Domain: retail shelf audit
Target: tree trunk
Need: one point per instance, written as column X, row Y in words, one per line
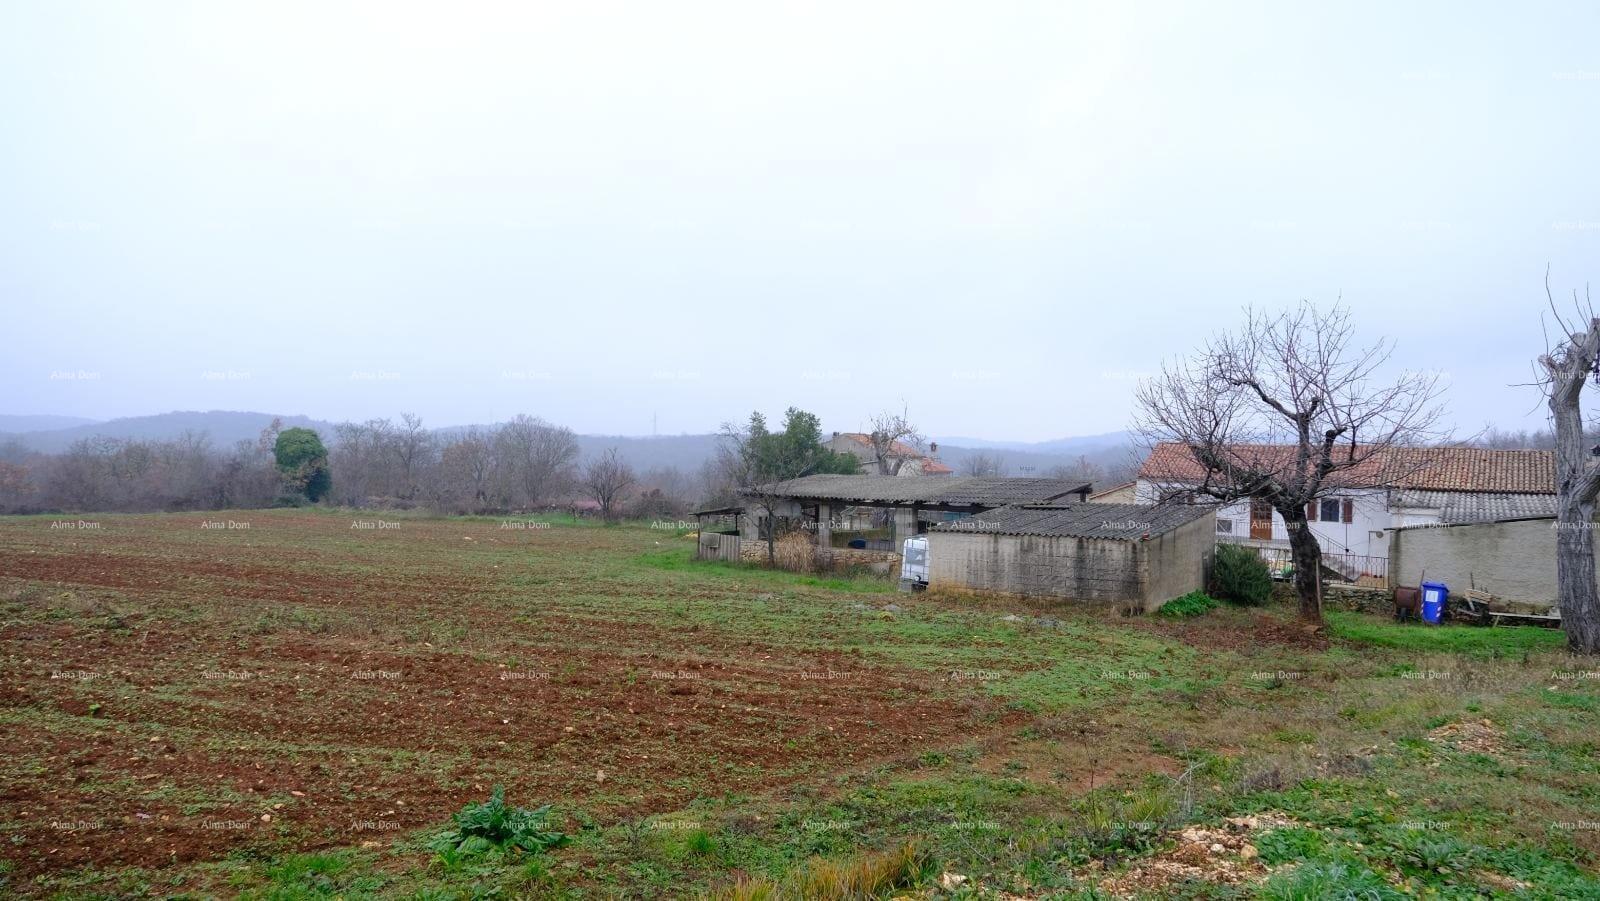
column 1575, row 586
column 1306, row 553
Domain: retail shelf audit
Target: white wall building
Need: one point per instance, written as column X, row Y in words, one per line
column 1445, row 485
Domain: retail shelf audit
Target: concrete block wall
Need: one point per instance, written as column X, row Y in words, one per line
column 1176, row 562
column 1514, row 560
column 1084, row 569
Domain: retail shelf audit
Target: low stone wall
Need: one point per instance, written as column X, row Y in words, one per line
column 885, row 563
column 1341, row 597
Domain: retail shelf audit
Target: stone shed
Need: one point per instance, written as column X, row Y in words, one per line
column 1132, row 555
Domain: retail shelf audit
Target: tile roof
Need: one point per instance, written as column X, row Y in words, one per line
column 958, row 491
column 1422, row 468
column 896, row 449
column 1117, row 522
column 926, row 464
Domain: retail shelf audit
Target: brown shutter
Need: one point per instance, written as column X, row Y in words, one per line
column 1311, row 510
column 1349, row 510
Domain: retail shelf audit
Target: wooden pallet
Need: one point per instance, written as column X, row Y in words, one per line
column 1490, row 610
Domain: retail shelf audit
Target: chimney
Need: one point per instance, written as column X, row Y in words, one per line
column 933, row 450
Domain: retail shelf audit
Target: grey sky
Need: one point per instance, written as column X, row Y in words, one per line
column 998, row 213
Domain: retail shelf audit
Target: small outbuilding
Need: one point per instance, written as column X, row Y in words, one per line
column 1132, row 555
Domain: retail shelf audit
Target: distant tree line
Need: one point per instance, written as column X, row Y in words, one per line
column 524, row 465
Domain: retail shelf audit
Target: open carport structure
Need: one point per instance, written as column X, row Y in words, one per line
column 908, row 505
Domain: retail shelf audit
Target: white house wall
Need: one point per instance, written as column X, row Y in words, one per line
column 1366, row 533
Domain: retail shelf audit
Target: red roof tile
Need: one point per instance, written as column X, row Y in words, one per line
column 897, row 449
column 1423, row 468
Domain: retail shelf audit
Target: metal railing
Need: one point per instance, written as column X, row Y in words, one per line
column 1354, row 569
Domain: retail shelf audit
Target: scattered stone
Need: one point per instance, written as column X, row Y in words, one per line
column 892, row 608
column 1501, row 882
column 951, row 881
column 1481, row 737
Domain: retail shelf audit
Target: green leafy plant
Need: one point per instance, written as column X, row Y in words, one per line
column 496, row 824
column 1239, row 574
column 1192, row 604
column 1333, row 880
column 1290, row 843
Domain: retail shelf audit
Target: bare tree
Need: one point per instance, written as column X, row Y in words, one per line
column 468, row 468
column 1521, row 439
column 538, row 457
column 1082, row 469
column 892, row 433
column 361, row 461
column 1566, row 368
column 981, row 464
column 412, row 446
column 1286, row 411
column 606, row 480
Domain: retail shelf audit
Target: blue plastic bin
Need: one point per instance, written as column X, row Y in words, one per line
column 1434, row 595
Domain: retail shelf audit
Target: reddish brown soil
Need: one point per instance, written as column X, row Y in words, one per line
column 164, row 704
column 1235, row 630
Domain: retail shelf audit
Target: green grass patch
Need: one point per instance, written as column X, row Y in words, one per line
column 1477, row 641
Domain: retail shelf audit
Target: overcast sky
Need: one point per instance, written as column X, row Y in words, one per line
column 619, row 215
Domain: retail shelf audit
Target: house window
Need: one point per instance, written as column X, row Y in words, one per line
column 1330, row 510
column 1225, row 527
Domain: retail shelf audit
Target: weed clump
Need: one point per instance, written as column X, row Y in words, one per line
column 1194, row 603
column 494, row 824
column 872, row 875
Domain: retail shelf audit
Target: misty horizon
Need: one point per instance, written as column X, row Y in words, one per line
column 1000, row 221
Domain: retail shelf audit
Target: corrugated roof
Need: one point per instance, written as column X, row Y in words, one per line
column 944, row 490
column 1117, row 522
column 1457, row 507
column 1421, row 468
